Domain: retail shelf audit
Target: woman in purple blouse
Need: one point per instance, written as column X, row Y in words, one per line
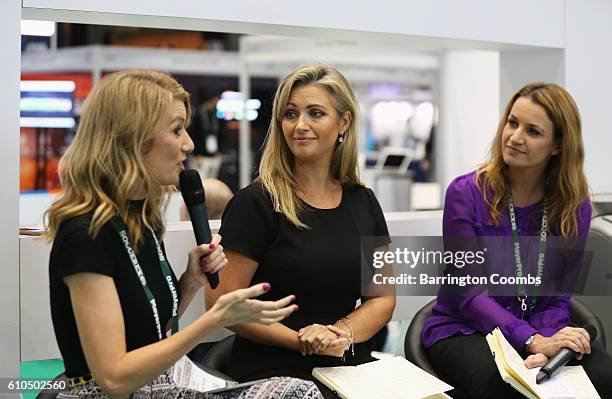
column 534, row 172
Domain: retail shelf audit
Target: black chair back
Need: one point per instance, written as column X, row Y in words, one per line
column 413, row 349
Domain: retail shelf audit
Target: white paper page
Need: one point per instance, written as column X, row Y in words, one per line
column 556, row 387
column 187, row 375
column 389, row 378
column 578, row 380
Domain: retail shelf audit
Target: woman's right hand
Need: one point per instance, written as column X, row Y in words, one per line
column 336, row 348
column 238, row 307
column 205, row 258
column 576, row 339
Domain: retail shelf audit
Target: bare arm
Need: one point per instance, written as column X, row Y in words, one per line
column 119, row 372
column 375, row 311
column 102, row 334
column 188, row 288
column 203, row 258
column 238, row 274
column 369, row 317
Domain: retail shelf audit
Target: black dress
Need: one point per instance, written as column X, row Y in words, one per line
column 74, row 251
column 320, row 265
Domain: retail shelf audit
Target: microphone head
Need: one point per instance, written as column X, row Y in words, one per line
column 592, row 331
column 191, row 187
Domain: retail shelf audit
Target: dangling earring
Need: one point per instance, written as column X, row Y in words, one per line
column 341, row 138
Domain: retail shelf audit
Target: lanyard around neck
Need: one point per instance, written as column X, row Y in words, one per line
column 522, row 291
column 165, row 268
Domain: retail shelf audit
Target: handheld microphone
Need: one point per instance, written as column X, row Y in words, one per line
column 561, row 358
column 195, row 199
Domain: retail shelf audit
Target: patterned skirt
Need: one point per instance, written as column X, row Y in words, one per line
column 163, row 387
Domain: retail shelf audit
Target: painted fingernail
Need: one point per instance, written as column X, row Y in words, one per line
column 212, row 246
column 293, row 298
column 266, row 287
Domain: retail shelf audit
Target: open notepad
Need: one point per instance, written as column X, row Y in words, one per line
column 388, row 378
column 571, row 382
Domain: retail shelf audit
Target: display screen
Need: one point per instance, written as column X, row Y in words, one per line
column 46, row 103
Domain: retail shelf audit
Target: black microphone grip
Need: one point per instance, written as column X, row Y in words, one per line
column 554, row 364
column 200, row 227
column 199, row 221
column 195, row 200
column 560, row 359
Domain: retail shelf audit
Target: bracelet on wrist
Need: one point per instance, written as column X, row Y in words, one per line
column 351, row 343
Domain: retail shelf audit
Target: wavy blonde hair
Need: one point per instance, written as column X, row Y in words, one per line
column 567, row 184
column 276, row 170
column 103, row 169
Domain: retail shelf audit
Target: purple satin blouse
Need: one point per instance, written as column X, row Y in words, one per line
column 467, row 214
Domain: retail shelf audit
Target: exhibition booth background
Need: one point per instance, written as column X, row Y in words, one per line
column 395, row 89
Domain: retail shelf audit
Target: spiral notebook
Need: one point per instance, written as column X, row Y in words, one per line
column 571, row 382
column 388, row 378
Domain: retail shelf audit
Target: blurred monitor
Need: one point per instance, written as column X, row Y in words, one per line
column 46, row 104
column 394, row 158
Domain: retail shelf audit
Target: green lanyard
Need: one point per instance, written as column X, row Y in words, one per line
column 522, row 292
column 165, row 267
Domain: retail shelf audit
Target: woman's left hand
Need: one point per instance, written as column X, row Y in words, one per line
column 314, row 338
column 536, row 360
column 206, row 258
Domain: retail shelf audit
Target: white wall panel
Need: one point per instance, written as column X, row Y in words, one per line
column 517, row 68
column 9, row 181
column 469, row 111
column 588, row 77
column 9, row 351
column 523, row 22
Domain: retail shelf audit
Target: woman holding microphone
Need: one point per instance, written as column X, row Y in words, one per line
column 534, row 176
column 113, row 295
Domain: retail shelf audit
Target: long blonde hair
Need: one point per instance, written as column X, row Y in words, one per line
column 276, row 170
column 567, row 184
column 103, row 168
